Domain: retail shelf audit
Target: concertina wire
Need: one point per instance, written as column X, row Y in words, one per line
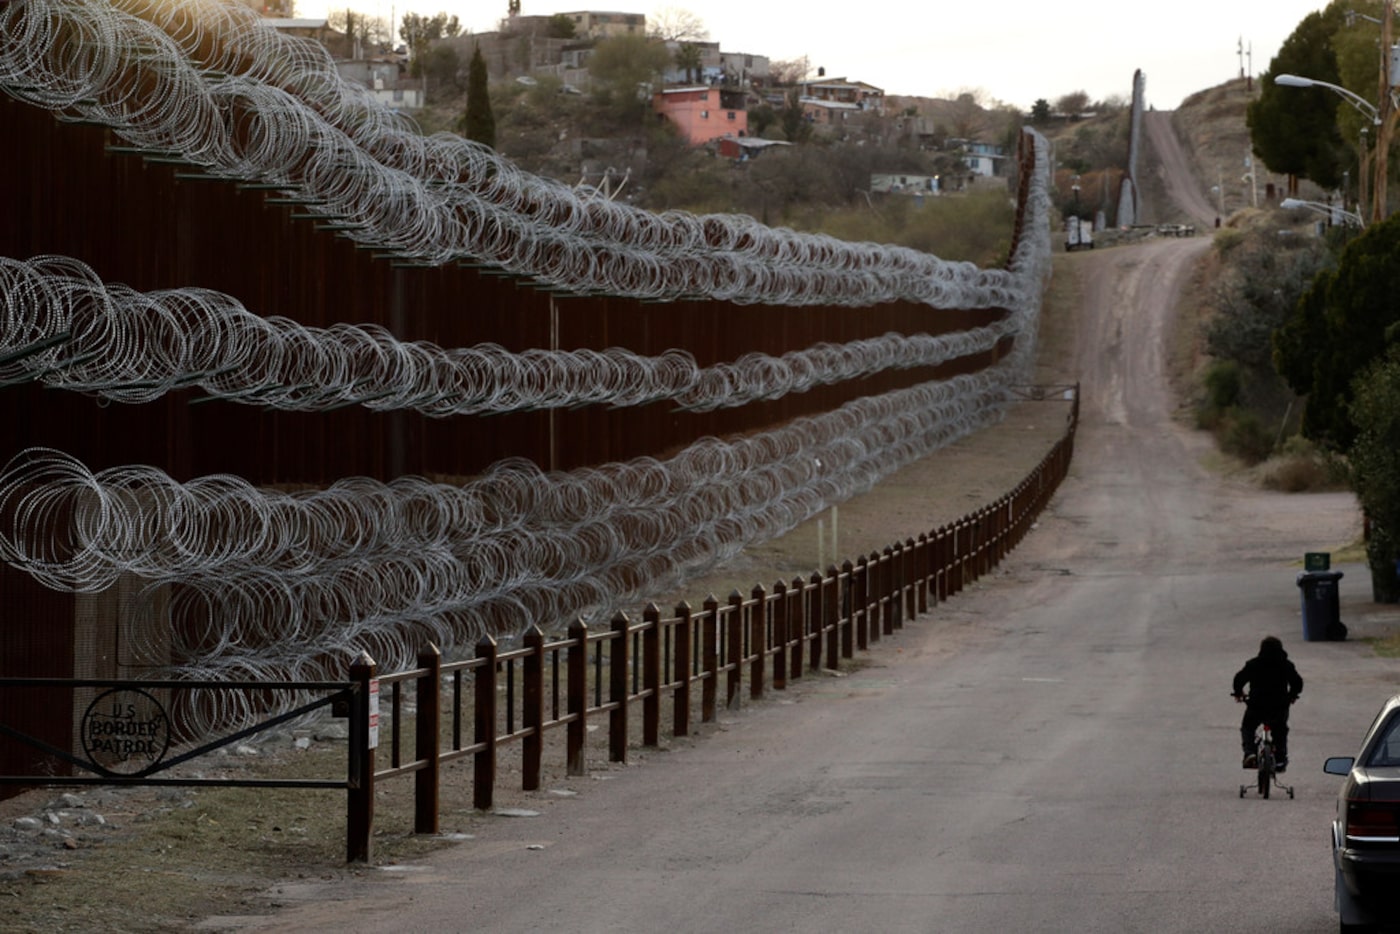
column 387, row 567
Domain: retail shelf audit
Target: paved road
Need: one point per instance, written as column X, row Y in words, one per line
column 1054, row 750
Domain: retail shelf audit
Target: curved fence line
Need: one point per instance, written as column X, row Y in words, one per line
column 62, row 326
column 207, row 81
column 287, row 582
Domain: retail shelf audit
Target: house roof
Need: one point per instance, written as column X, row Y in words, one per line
column 830, row 105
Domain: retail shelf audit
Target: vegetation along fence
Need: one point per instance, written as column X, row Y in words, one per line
column 696, row 660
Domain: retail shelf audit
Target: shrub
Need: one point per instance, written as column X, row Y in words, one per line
column 1242, row 434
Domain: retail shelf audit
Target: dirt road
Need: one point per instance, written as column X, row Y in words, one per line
column 1053, row 750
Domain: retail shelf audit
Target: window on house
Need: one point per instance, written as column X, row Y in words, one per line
column 704, row 115
column 731, row 115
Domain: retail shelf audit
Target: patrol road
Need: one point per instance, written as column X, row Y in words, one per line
column 1055, row 749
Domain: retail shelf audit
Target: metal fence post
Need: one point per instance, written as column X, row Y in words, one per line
column 428, row 727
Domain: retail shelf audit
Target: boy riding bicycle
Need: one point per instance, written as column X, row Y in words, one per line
column 1274, row 684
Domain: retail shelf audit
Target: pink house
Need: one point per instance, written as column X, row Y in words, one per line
column 703, row 113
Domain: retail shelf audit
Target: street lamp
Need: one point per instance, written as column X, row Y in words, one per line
column 1356, row 100
column 1331, row 210
column 1378, row 119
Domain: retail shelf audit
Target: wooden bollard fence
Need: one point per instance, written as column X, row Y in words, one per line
column 427, row 779
column 359, row 816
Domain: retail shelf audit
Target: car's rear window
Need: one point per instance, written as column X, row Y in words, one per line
column 1385, row 751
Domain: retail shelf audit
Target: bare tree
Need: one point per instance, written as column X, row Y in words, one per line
column 789, row 71
column 1073, row 103
column 676, row 25
column 967, row 118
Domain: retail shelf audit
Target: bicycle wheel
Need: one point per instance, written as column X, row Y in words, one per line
column 1266, row 771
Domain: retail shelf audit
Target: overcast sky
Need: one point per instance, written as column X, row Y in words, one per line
column 1014, row 51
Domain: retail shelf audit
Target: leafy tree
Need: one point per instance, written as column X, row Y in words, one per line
column 621, row 67
column 1294, row 130
column 440, row 64
column 560, row 26
column 1040, row 112
column 1257, row 293
column 417, row 31
column 1342, row 324
column 689, row 59
column 761, row 118
column 478, row 123
column 1375, row 468
column 793, row 119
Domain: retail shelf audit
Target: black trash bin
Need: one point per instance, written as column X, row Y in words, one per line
column 1321, row 612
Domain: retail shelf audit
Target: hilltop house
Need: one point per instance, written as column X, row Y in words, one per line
column 832, row 100
column 703, row 113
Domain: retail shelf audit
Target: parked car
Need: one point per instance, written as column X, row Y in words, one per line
column 1366, row 830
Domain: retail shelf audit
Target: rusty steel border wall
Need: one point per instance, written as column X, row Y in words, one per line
column 70, row 188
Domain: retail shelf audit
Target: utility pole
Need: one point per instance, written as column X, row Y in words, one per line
column 1384, row 117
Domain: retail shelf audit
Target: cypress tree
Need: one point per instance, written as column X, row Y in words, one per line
column 479, row 123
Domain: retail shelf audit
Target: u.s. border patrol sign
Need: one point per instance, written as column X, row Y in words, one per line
column 125, row 732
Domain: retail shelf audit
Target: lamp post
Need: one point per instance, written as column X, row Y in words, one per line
column 1361, row 168
column 1331, row 211
column 1378, row 119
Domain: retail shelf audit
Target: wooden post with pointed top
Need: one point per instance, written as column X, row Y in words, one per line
column 532, row 710
column 577, row 730
column 758, row 641
column 709, row 660
column 617, row 689
column 734, row 635
column 426, row 781
column 780, row 636
column 680, row 673
column 484, row 760
column 797, row 625
column 364, row 729
column 651, row 675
